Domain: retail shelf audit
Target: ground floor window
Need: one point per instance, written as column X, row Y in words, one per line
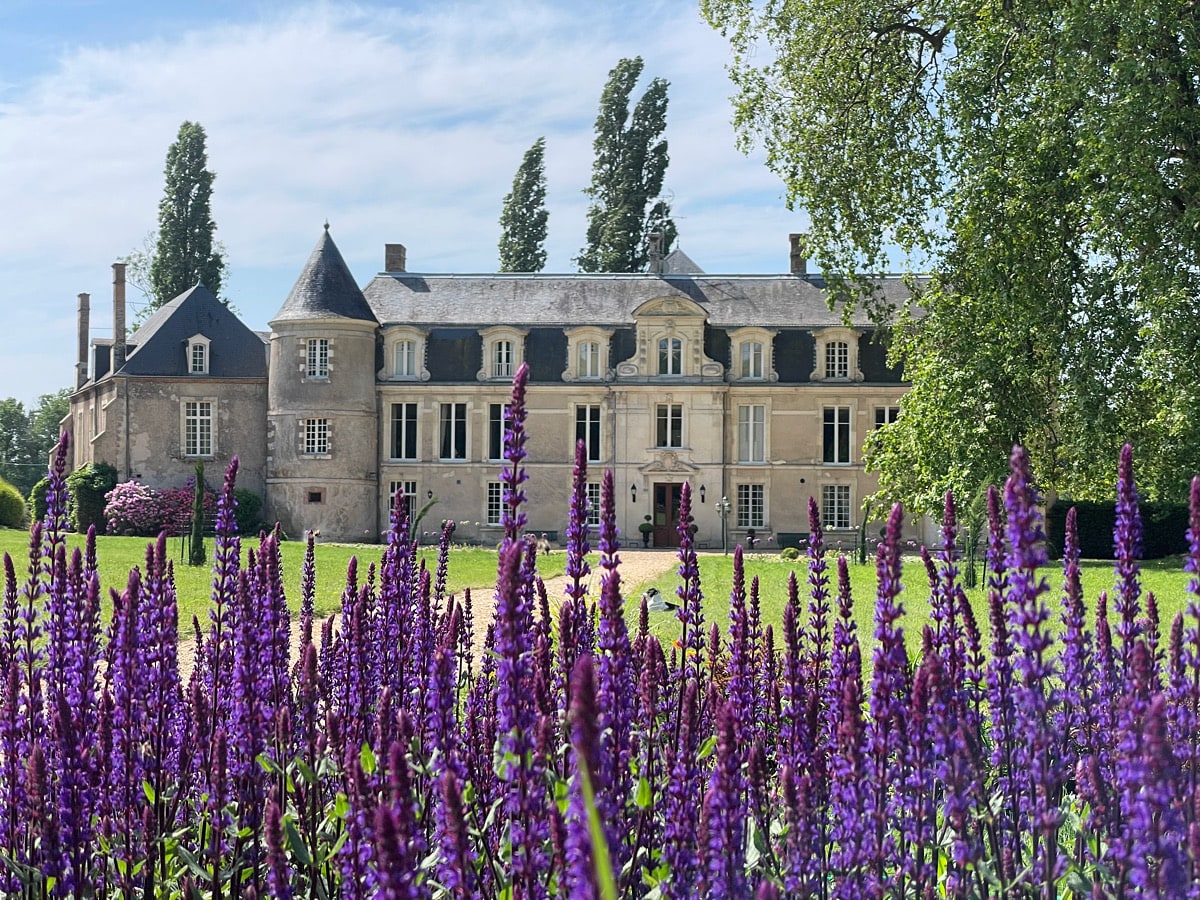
column 750, row 506
column 495, row 502
column 835, row 505
column 593, row 499
column 197, row 428
column 410, row 496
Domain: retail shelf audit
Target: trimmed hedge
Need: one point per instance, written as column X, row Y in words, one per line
column 37, row 499
column 248, row 512
column 12, row 506
column 88, row 484
column 1164, row 528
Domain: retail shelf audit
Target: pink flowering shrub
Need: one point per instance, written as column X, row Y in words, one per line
column 133, row 508
column 177, row 508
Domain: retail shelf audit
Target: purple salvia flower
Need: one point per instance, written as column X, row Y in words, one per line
column 795, row 749
column 218, row 663
column 580, row 876
column 1035, row 695
column 513, row 475
column 456, row 861
column 399, row 842
column 690, row 612
column 889, row 694
column 741, row 664
column 851, row 797
column 914, row 807
column 443, row 563
column 1158, row 864
column 1127, row 540
column 577, row 527
column 1074, row 719
column 680, row 810
column 308, row 589
column 279, row 879
column 1187, row 704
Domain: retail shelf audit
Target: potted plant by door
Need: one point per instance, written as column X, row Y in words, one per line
column 647, row 529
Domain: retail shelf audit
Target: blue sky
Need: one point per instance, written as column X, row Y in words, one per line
column 394, row 122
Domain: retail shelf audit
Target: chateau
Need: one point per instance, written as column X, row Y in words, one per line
column 748, row 386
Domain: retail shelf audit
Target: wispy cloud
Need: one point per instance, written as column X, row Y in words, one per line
column 394, row 124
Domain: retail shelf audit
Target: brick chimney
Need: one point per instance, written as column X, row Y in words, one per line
column 798, row 261
column 83, row 320
column 655, row 241
column 395, row 258
column 118, row 349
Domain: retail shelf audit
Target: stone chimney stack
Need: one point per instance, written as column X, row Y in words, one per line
column 118, row 350
column 395, row 258
column 655, row 241
column 83, row 320
column 798, row 261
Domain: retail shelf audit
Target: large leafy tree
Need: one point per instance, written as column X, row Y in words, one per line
column 185, row 250
column 28, row 436
column 1042, row 161
column 523, row 219
column 627, row 175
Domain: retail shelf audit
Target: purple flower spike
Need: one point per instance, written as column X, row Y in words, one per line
column 1127, row 541
column 690, row 612
column 723, row 822
column 577, row 527
column 513, row 475
column 585, row 756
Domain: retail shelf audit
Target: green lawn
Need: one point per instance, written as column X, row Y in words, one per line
column 1165, row 578
column 469, row 567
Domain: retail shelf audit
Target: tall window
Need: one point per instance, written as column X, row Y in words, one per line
column 752, row 360
column 317, row 365
column 837, row 435
column 316, row 437
column 886, row 415
column 587, row 429
column 405, row 359
column 197, row 428
column 750, row 506
column 497, row 420
column 495, row 502
column 404, row 431
column 593, row 499
column 589, row 359
column 502, row 359
column 410, row 497
column 670, row 356
column 835, row 505
column 837, row 359
column 452, row 441
column 198, row 361
column 669, row 425
column 752, row 441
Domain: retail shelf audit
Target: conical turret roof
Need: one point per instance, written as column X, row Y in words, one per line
column 325, row 289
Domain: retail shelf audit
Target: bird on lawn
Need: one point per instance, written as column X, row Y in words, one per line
column 656, row 602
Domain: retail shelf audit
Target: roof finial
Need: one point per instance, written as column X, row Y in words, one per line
column 326, row 225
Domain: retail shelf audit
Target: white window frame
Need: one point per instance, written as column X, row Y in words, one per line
column 751, row 506
column 198, row 344
column 593, row 501
column 589, row 359
column 410, row 497
column 502, row 359
column 400, row 441
column 404, row 358
column 453, row 422
column 670, row 356
column 494, row 506
column 495, row 446
column 750, row 365
column 413, row 368
column 752, row 433
column 316, row 359
column 837, row 361
column 590, row 418
column 586, row 364
column 836, row 507
column 886, row 415
column 842, row 453
column 668, row 426
column 752, row 354
column 314, row 437
column 195, row 413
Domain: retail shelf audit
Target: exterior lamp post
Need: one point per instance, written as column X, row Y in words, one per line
column 723, row 511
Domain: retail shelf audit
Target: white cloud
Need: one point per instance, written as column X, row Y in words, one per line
column 394, row 124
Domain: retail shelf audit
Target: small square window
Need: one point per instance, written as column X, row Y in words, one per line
column 315, row 495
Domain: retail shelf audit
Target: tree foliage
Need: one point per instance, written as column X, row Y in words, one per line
column 185, row 251
column 1042, row 161
column 28, row 436
column 627, row 175
column 523, row 219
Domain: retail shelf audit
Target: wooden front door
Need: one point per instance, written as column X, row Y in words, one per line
column 666, row 514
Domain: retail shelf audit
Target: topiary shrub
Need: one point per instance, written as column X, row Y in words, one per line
column 37, row 499
column 89, row 486
column 248, row 513
column 12, row 506
column 789, row 553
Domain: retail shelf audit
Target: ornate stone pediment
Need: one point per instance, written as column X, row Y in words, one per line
column 664, row 461
column 675, row 307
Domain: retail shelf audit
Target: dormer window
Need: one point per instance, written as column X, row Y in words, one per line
column 587, row 353
column 751, row 357
column 405, row 356
column 503, row 352
column 837, row 355
column 670, row 356
column 197, row 355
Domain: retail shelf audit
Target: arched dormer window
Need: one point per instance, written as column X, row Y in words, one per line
column 752, row 356
column 503, row 352
column 198, row 347
column 587, row 353
column 404, row 358
column 837, row 355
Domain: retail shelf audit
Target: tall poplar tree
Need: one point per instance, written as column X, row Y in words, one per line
column 185, row 252
column 627, row 175
column 523, row 219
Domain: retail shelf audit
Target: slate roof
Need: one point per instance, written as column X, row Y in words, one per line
column 731, row 301
column 325, row 289
column 234, row 352
column 679, row 263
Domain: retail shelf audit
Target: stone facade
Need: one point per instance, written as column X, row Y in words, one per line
column 748, row 387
